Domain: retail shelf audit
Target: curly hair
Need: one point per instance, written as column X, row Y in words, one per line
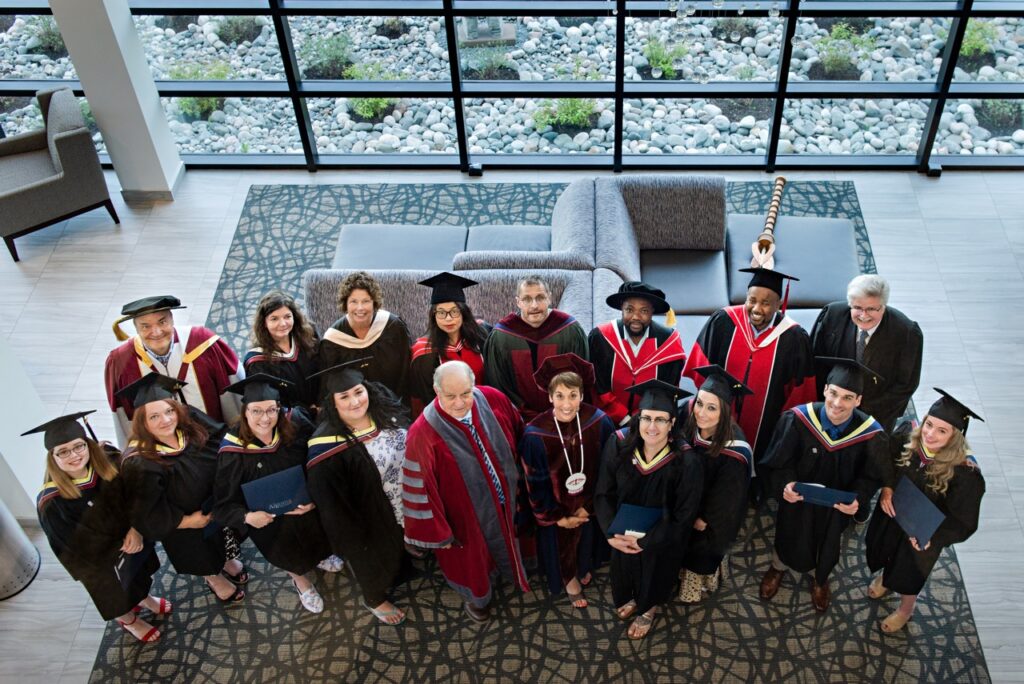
column 940, row 471
column 723, row 431
column 471, row 333
column 99, row 461
column 360, row 280
column 194, row 432
column 285, row 429
column 386, row 410
column 302, row 332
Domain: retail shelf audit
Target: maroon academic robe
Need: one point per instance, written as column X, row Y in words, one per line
column 449, row 497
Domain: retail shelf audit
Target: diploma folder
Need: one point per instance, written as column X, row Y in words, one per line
column 915, row 512
column 278, row 493
column 820, row 495
column 634, row 520
column 128, row 565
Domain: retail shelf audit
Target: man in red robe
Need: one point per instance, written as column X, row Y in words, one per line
column 634, row 349
column 194, row 355
column 521, row 342
column 460, row 484
column 765, row 349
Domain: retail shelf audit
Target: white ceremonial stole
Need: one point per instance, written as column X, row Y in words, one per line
column 192, row 392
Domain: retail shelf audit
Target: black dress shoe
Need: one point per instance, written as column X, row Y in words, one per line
column 770, row 583
column 478, row 614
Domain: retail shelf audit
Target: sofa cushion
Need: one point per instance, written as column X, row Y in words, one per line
column 694, row 281
column 509, row 238
column 18, row 170
column 821, row 252
column 361, row 246
column 675, row 211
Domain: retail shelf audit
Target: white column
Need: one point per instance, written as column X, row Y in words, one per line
column 111, row 64
column 22, row 459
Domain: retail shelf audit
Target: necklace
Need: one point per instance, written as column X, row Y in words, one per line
column 576, row 481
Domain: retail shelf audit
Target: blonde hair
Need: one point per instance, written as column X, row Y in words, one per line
column 97, row 459
column 940, row 470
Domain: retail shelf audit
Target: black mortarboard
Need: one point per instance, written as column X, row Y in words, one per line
column 658, row 395
column 848, row 374
column 60, row 430
column 952, row 411
column 722, row 384
column 151, row 387
column 447, row 287
column 564, row 363
column 148, row 305
column 766, row 277
column 344, row 376
column 260, row 387
column 635, row 288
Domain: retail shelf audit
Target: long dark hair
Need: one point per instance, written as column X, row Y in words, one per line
column 193, row 431
column 302, row 332
column 633, row 439
column 471, row 332
column 285, row 428
column 723, row 431
column 386, row 410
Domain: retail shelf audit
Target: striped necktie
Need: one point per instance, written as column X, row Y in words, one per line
column 487, row 461
column 862, row 342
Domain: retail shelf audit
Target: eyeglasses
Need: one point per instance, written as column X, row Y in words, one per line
column 866, row 309
column 660, row 422
column 528, row 301
column 77, row 450
column 643, row 311
column 258, row 413
column 442, row 315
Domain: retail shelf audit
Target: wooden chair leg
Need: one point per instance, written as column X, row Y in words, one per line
column 9, row 241
column 110, row 208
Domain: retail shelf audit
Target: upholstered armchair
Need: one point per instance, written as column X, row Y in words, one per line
column 51, row 174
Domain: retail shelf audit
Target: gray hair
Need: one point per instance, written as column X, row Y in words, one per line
column 532, row 280
column 449, row 367
column 868, row 285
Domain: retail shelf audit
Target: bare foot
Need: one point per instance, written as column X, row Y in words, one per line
column 575, row 592
column 234, row 566
column 626, row 611
column 221, row 586
column 642, row 625
column 139, row 628
column 156, row 605
column 388, row 613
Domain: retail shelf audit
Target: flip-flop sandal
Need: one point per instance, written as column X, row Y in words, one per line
column 643, row 622
column 383, row 615
column 626, row 611
column 573, row 598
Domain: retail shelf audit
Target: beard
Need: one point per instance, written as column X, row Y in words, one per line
column 633, row 333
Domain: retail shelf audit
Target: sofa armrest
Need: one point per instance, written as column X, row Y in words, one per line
column 30, row 141
column 491, row 259
column 617, row 247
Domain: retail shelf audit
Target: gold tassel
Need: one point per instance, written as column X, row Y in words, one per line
column 121, row 335
column 670, row 318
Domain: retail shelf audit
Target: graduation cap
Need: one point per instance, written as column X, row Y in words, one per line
column 848, row 374
column 564, row 363
column 62, row 430
column 638, row 289
column 952, row 411
column 772, row 279
column 151, row 387
column 141, row 307
column 447, row 287
column 720, row 383
column 344, row 376
column 261, row 387
column 658, row 395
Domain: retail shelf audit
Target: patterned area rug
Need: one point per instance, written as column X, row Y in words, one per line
column 732, row 636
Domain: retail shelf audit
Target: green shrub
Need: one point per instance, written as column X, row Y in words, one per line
column 840, row 48
column 6, row 22
column 393, row 27
column 746, row 72
column 489, row 64
column 978, row 38
column 45, row 29
column 1000, row 117
column 727, row 25
column 200, row 107
column 176, row 22
column 369, row 107
column 237, row 30
column 327, row 57
column 565, row 112
column 660, row 56
column 90, row 120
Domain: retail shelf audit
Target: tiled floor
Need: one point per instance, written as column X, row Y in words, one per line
column 953, row 249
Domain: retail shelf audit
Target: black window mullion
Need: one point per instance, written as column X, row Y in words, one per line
column 293, row 76
column 456, row 75
column 782, row 83
column 620, row 80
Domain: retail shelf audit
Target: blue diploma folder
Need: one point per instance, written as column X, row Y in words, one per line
column 820, row 495
column 635, row 519
column 212, row 527
column 278, row 493
column 915, row 512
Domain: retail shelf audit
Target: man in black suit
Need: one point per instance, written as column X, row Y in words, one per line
column 865, row 328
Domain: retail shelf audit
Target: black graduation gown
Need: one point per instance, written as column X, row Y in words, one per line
column 905, row 570
column 86, row 535
column 295, row 370
column 807, row 537
column 649, row 577
column 894, row 352
column 389, row 354
column 295, row 543
column 425, row 361
column 345, row 484
column 723, row 505
column 164, row 493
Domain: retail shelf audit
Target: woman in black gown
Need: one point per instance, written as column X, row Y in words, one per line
column 285, row 346
column 709, row 429
column 267, row 440
column 936, row 458
column 644, row 468
column 170, row 465
column 82, row 511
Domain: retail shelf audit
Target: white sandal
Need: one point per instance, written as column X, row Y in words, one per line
column 331, row 564
column 310, row 599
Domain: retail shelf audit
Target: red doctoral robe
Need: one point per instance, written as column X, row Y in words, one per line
column 448, row 496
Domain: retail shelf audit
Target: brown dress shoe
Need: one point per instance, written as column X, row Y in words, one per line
column 478, row 614
column 820, row 596
column 770, row 583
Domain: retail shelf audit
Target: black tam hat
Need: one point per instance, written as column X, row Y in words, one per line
column 952, row 411
column 261, row 387
column 148, row 305
column 719, row 382
column 637, row 289
column 658, row 395
column 447, row 287
column 344, row 376
column 61, row 430
column 152, row 387
column 848, row 374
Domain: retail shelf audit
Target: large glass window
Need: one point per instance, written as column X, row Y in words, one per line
column 992, row 50
column 31, row 47
column 540, row 126
column 238, row 125
column 713, row 126
column 383, row 125
column 981, row 127
column 854, row 126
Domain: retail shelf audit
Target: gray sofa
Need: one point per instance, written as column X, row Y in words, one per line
column 51, row 174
